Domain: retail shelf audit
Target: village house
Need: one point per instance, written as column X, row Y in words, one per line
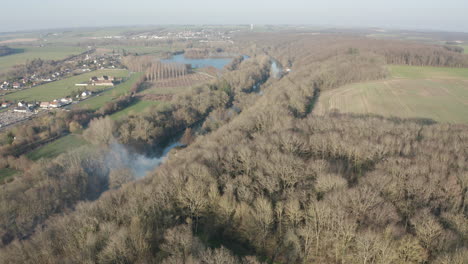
column 102, row 81
column 106, row 78
column 32, row 105
column 6, row 104
column 66, row 101
column 55, row 104
column 44, row 105
column 21, row 104
column 86, row 93
column 16, row 85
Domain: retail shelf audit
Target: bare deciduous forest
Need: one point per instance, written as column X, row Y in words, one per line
column 263, row 179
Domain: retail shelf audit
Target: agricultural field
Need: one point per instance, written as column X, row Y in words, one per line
column 165, row 87
column 176, row 85
column 34, row 52
column 62, row 88
column 57, row 147
column 440, row 94
column 17, row 40
column 101, row 99
column 417, row 72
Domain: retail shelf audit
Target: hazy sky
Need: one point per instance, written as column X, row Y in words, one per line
column 451, row 15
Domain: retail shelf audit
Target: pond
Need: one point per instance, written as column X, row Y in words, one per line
column 218, row 63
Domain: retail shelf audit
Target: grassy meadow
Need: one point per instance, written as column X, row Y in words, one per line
column 57, row 147
column 62, row 88
column 7, row 173
column 411, row 92
column 465, row 47
column 136, row 108
column 34, row 52
column 419, row 72
column 165, row 90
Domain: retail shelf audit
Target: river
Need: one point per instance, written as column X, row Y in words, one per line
column 142, row 165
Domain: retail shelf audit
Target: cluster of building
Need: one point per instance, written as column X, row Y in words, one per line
column 26, row 107
column 22, row 106
column 32, row 80
column 6, row 85
column 101, row 81
column 205, row 34
column 96, row 62
column 56, row 103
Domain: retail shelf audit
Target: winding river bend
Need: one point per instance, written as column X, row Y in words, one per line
column 142, row 165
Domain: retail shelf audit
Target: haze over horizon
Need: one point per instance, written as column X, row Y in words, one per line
column 449, row 15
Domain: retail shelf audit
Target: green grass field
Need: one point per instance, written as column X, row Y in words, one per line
column 7, row 173
column 417, row 72
column 166, row 90
column 136, row 108
column 465, row 47
column 97, row 102
column 46, row 53
column 412, row 92
column 57, row 147
column 62, row 88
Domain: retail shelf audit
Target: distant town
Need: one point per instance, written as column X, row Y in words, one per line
column 69, row 67
column 202, row 35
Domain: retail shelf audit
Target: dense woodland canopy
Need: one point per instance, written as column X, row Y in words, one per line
column 265, row 179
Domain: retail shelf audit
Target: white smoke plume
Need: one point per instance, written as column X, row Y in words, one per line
column 120, row 157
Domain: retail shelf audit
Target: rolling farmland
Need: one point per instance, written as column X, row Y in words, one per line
column 174, row 85
column 417, row 72
column 30, row 53
column 412, row 92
